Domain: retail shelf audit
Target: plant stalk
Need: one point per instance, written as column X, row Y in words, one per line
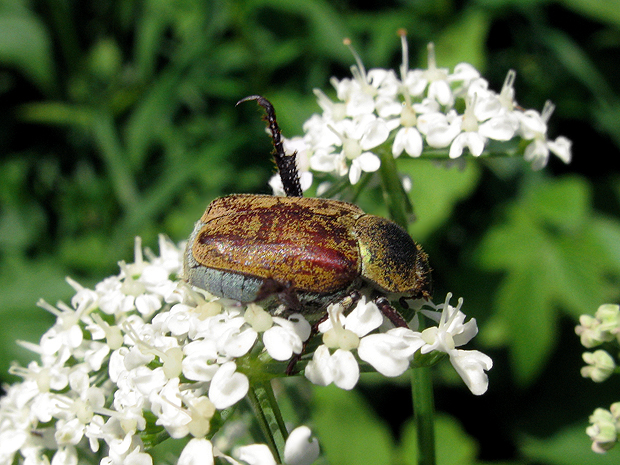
column 269, row 418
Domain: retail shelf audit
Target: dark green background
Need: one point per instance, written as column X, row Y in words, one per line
column 117, row 119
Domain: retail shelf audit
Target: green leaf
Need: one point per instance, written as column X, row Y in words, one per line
column 564, row 204
column 552, row 258
column 529, row 319
column 464, row 40
column 435, row 192
column 364, row 440
column 605, row 11
column 25, row 45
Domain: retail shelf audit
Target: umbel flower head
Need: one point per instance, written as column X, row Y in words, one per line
column 434, row 111
column 602, row 329
column 143, row 356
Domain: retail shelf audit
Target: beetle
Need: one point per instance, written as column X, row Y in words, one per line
column 299, row 254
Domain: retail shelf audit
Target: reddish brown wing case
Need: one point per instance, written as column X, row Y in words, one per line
column 306, row 242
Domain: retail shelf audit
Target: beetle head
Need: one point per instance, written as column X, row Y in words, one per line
column 391, row 260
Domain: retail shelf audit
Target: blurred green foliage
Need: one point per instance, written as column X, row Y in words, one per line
column 118, row 120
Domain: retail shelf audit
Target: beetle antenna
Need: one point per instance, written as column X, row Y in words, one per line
column 287, row 164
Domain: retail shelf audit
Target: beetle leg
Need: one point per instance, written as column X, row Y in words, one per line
column 285, row 292
column 287, row 164
column 390, row 312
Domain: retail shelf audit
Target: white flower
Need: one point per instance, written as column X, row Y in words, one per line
column 409, row 140
column 439, row 129
column 533, row 126
column 358, row 136
column 416, row 110
column 603, row 327
column 301, row 448
column 603, row 430
column 197, row 452
column 286, row 337
column 437, row 80
column 228, row 386
column 471, row 366
column 339, row 368
column 600, row 366
column 344, row 334
column 390, row 353
column 452, row 332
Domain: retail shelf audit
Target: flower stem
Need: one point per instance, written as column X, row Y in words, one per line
column 424, row 411
column 397, row 200
column 268, row 415
column 424, row 414
column 401, row 211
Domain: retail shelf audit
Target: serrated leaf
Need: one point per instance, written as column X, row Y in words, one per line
column 607, row 233
column 435, row 192
column 564, row 203
column 530, row 321
column 348, row 431
column 551, row 259
column 581, row 273
column 509, row 245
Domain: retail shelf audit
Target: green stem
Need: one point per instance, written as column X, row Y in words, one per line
column 269, row 418
column 424, row 414
column 401, row 210
column 424, row 411
column 397, row 200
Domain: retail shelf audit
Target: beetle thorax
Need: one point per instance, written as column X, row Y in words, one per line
column 391, row 261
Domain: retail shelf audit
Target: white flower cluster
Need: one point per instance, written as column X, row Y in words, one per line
column 139, row 342
column 143, row 354
column 420, row 109
column 593, row 331
column 602, row 328
column 604, row 428
column 391, row 352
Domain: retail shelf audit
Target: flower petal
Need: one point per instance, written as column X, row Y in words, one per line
column 345, row 369
column 227, row 386
column 197, row 452
column 389, row 354
column 471, row 366
column 318, row 370
column 368, row 162
column 301, row 447
column 255, row 454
